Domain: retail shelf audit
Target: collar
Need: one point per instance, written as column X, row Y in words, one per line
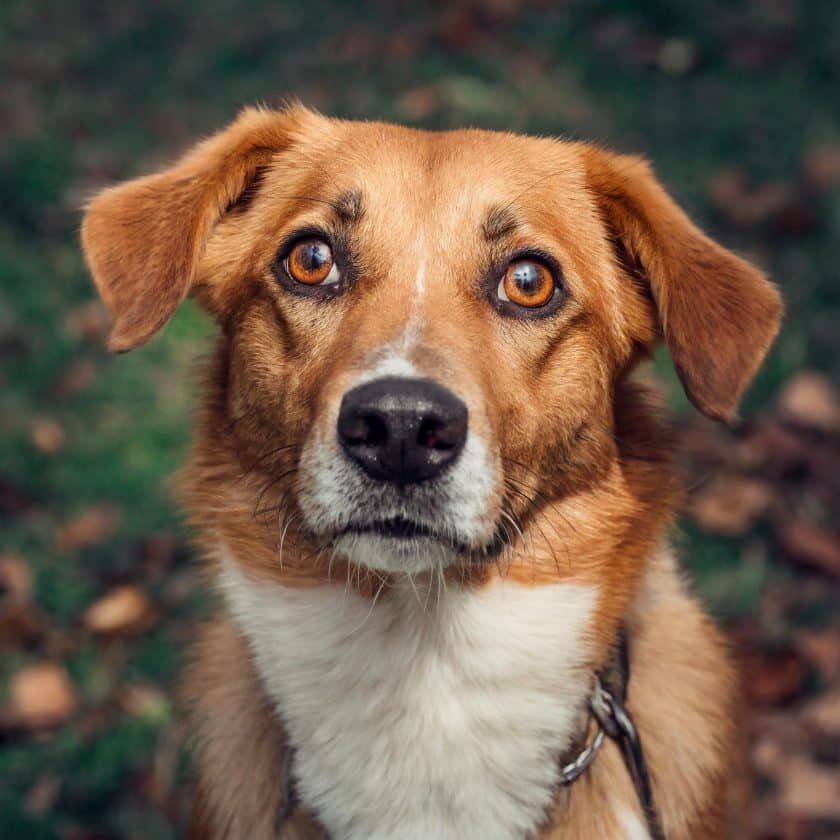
column 611, row 719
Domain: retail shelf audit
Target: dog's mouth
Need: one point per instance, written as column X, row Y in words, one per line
column 405, row 531
column 398, row 528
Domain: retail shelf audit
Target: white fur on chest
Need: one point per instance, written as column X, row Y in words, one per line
column 414, row 720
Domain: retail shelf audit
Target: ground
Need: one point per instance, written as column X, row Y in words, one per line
column 737, row 109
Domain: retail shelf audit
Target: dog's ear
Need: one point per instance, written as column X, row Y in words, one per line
column 143, row 239
column 718, row 314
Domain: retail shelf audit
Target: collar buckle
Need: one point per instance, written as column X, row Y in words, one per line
column 614, row 720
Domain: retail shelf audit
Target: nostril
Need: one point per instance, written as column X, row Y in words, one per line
column 377, row 430
column 365, row 430
column 433, row 434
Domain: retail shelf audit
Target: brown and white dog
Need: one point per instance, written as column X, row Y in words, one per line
column 424, row 481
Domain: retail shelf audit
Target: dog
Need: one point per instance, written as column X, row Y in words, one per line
column 430, row 485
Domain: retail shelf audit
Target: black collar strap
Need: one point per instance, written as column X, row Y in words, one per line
column 606, row 707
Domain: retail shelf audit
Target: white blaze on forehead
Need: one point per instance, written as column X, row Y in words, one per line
column 389, row 363
column 420, row 280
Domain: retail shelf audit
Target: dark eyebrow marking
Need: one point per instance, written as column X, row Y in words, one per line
column 500, row 222
column 348, row 207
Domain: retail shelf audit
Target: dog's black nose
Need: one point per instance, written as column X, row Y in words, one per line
column 402, row 430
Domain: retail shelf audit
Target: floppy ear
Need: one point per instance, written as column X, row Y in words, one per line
column 717, row 313
column 143, row 239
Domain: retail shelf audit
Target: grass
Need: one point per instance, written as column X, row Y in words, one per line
column 93, row 95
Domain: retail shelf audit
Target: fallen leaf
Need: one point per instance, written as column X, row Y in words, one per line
column 41, row 696
column 43, row 795
column 811, row 546
column 159, row 552
column 772, row 678
column 824, row 713
column 782, row 449
column 730, row 505
column 15, row 577
column 78, row 376
column 809, row 399
column 744, row 206
column 822, row 649
column 47, row 435
column 19, row 621
column 89, row 321
column 420, row 102
column 94, row 526
column 776, row 205
column 821, row 167
column 811, row 790
column 122, row 610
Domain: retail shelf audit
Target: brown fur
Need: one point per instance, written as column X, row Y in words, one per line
column 584, row 460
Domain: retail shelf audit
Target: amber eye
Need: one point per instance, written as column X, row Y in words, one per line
column 527, row 282
column 311, row 262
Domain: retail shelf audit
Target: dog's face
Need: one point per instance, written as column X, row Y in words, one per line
column 424, row 332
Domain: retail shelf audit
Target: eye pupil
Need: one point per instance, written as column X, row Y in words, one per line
column 527, row 277
column 528, row 283
column 310, row 261
column 314, row 255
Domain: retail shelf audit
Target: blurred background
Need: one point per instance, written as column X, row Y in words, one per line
column 737, row 105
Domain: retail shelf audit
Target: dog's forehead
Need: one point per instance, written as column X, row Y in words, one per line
column 447, row 178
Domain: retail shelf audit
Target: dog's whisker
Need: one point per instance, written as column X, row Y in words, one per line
column 382, row 581
column 270, row 484
column 283, row 537
column 547, row 503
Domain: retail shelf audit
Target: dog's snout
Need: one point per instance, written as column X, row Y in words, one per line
column 402, row 430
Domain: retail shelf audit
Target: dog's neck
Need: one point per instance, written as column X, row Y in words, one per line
column 457, row 702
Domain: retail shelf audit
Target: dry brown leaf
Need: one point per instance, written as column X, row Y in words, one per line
column 20, row 622
column 94, row 526
column 159, row 551
column 821, row 167
column 78, row 376
column 730, row 504
column 43, row 795
column 743, row 206
column 15, row 577
column 810, row 790
column 811, row 546
column 810, row 399
column 122, row 610
column 823, row 713
column 89, row 321
column 41, row 696
column 774, row 677
column 420, row 102
column 47, row 435
column 822, row 649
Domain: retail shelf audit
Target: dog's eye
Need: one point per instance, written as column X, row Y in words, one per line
column 527, row 282
column 311, row 262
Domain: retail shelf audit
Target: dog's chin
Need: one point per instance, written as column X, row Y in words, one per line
column 396, row 554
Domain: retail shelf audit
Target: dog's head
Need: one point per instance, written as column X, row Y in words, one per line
column 424, row 333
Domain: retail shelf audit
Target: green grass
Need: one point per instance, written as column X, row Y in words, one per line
column 91, row 96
